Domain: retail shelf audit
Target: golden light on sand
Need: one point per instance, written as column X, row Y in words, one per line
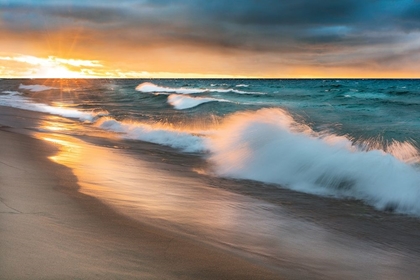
column 69, row 151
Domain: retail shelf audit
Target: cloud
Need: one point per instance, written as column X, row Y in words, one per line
column 288, row 32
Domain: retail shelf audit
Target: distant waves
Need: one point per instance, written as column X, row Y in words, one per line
column 177, row 98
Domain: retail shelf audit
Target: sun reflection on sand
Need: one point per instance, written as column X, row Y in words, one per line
column 69, row 151
column 151, row 193
column 136, row 189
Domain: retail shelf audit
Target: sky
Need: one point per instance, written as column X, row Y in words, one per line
column 210, row 38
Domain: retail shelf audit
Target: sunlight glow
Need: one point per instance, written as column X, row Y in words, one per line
column 27, row 66
column 52, row 67
column 13, row 65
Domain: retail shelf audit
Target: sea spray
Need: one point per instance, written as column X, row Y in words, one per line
column 270, row 146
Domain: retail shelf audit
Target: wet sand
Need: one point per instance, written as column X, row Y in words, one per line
column 51, row 231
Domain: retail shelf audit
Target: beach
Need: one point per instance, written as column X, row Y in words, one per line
column 51, row 231
column 85, row 203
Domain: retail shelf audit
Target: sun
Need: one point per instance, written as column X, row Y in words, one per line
column 53, row 71
column 58, row 72
column 55, row 67
column 51, row 67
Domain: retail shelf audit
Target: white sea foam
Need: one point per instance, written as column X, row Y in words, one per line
column 182, row 102
column 11, row 93
column 152, row 88
column 155, row 134
column 242, row 85
column 235, row 91
column 15, row 100
column 270, row 146
column 35, row 87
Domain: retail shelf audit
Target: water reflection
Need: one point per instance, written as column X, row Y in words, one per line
column 149, row 193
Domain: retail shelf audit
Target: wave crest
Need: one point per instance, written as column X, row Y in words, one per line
column 270, row 146
column 182, row 102
column 152, row 88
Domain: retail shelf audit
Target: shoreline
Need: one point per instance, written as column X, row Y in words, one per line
column 50, row 230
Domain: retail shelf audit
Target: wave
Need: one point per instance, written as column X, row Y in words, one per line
column 35, row 87
column 167, row 136
column 12, row 93
column 152, row 88
column 270, row 146
column 158, row 134
column 148, row 87
column 181, row 102
column 236, row 91
column 242, row 85
column 15, row 100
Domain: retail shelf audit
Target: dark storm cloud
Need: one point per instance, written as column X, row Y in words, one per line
column 253, row 23
column 284, row 25
column 300, row 27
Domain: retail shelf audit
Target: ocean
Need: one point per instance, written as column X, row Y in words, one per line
column 223, row 158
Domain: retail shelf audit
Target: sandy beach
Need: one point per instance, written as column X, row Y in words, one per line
column 51, row 231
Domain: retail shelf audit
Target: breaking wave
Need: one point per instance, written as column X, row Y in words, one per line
column 182, row 102
column 152, row 88
column 270, row 146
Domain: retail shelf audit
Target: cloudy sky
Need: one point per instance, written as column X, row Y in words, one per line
column 210, row 38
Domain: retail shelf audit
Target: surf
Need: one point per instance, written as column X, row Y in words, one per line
column 270, row 146
column 16, row 100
